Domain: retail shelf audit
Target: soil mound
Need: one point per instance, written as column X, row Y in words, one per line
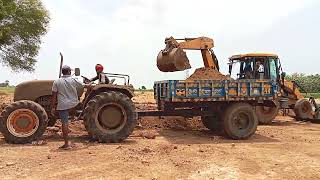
column 4, row 101
column 208, row 73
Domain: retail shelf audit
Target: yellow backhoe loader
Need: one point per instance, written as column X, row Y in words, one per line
column 289, row 95
column 173, row 58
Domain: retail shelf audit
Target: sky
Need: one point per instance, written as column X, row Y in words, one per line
column 126, row 35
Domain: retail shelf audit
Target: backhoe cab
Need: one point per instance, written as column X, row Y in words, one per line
column 255, row 66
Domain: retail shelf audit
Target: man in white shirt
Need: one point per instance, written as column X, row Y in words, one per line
column 65, row 98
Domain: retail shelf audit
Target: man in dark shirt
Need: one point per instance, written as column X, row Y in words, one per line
column 103, row 79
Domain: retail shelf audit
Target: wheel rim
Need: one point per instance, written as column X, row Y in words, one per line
column 22, row 123
column 241, row 121
column 111, row 117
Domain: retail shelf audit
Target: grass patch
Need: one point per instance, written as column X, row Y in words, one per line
column 315, row 95
column 6, row 90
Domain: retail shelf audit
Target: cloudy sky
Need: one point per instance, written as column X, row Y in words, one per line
column 126, row 35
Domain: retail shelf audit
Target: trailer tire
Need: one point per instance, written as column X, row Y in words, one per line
column 266, row 114
column 213, row 123
column 23, row 122
column 121, row 111
column 303, row 109
column 240, row 121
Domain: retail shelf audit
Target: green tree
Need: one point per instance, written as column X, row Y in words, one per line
column 310, row 83
column 143, row 88
column 22, row 24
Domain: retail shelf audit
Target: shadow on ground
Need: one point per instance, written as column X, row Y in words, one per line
column 207, row 137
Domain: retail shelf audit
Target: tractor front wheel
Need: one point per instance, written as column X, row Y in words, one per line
column 23, row 122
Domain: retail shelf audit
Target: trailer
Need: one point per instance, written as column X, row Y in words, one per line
column 224, row 105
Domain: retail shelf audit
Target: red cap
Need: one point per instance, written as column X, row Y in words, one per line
column 99, row 67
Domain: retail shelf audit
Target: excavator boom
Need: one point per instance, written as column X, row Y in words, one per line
column 173, row 58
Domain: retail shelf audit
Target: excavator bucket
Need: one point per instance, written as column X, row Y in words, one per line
column 170, row 60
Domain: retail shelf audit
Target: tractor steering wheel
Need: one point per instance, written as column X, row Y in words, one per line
column 86, row 80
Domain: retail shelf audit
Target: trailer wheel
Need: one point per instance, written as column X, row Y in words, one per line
column 266, row 114
column 110, row 117
column 213, row 123
column 23, row 122
column 303, row 109
column 240, row 121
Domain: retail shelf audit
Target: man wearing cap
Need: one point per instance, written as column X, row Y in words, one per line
column 65, row 98
column 100, row 75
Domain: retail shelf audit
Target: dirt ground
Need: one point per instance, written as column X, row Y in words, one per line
column 181, row 149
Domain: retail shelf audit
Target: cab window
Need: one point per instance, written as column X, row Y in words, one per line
column 273, row 69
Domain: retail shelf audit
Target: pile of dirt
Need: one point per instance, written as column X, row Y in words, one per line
column 4, row 101
column 208, row 73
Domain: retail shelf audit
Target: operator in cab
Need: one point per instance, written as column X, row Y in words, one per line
column 259, row 70
column 103, row 79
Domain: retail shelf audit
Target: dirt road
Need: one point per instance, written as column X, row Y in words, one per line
column 181, row 150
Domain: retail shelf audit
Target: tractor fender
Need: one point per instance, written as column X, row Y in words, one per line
column 32, row 90
column 127, row 90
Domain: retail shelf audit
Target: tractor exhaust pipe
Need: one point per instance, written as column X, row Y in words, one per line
column 61, row 64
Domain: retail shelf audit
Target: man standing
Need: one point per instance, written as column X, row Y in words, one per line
column 65, row 98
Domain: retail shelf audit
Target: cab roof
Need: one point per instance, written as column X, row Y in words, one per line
column 240, row 56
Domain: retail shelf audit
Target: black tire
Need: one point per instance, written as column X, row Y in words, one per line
column 23, row 122
column 213, row 123
column 52, row 120
column 266, row 114
column 240, row 121
column 45, row 102
column 303, row 109
column 111, row 130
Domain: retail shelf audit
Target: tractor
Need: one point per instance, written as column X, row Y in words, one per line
column 107, row 110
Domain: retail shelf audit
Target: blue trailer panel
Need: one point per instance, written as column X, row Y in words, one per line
column 215, row 90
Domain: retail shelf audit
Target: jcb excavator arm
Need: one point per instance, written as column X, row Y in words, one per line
column 290, row 90
column 173, row 58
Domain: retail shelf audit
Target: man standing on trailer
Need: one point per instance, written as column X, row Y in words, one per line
column 65, row 98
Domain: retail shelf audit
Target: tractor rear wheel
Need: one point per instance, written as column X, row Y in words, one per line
column 240, row 121
column 266, row 114
column 23, row 122
column 303, row 109
column 110, row 117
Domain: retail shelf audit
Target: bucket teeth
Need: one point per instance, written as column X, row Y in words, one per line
column 174, row 60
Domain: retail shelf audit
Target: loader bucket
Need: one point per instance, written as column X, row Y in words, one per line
column 173, row 60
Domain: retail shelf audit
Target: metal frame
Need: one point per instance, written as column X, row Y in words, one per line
column 122, row 76
column 176, row 112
